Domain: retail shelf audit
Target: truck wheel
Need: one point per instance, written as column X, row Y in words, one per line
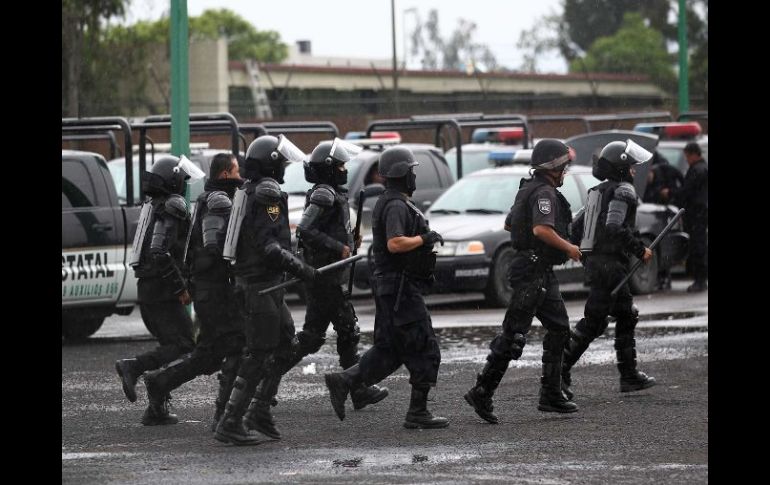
column 78, row 328
column 498, row 291
column 645, row 279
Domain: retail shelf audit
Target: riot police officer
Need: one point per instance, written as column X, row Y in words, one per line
column 259, row 240
column 539, row 223
column 162, row 288
column 404, row 261
column 694, row 197
column 221, row 324
column 325, row 236
column 606, row 232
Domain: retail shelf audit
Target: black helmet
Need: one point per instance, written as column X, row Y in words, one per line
column 267, row 157
column 164, row 177
column 550, row 154
column 616, row 158
column 396, row 162
column 323, row 167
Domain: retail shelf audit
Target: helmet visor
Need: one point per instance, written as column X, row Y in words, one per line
column 289, row 150
column 636, row 152
column 343, row 150
column 188, row 167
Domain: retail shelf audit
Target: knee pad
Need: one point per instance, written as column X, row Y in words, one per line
column 591, row 327
column 508, row 348
column 310, row 343
column 253, row 362
column 350, row 337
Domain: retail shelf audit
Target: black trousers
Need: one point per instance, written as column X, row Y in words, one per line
column 603, row 273
column 535, row 293
column 401, row 337
column 326, row 303
column 173, row 328
column 696, row 225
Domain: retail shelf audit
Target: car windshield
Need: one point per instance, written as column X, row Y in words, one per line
column 472, row 161
column 675, row 156
column 483, row 194
column 294, row 179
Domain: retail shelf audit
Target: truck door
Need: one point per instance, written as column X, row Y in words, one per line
column 92, row 250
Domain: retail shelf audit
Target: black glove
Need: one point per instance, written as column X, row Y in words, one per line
column 431, row 238
column 308, row 273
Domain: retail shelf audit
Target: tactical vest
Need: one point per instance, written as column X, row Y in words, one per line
column 335, row 223
column 418, row 263
column 250, row 261
column 602, row 243
column 520, row 220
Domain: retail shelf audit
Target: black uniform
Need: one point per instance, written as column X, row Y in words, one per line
column 161, row 281
column 221, row 323
column 535, row 293
column 323, row 233
column 403, row 336
column 665, row 176
column 615, row 241
column 694, row 197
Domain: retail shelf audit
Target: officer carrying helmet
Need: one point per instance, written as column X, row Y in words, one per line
column 607, row 239
column 539, row 224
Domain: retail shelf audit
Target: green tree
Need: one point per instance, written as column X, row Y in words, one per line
column 82, row 22
column 244, row 41
column 634, row 48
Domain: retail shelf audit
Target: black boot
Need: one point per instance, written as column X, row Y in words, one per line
column 552, row 399
column 630, row 378
column 225, row 388
column 362, row 395
column 418, row 415
column 157, row 412
column 480, row 395
column 577, row 344
column 258, row 415
column 129, row 371
column 230, row 428
column 339, row 387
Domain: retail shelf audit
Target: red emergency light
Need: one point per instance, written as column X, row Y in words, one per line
column 378, row 135
column 689, row 129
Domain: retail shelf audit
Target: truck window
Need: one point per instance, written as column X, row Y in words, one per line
column 427, row 178
column 77, row 187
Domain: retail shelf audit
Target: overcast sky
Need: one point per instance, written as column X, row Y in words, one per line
column 362, row 28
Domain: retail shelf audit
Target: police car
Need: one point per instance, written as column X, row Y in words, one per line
column 673, row 138
column 503, row 141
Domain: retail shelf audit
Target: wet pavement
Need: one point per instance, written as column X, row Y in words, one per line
column 658, row 435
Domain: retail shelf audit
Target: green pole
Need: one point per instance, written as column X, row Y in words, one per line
column 180, row 87
column 684, row 94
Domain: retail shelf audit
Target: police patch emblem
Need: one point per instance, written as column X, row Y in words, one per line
column 544, row 205
column 273, row 211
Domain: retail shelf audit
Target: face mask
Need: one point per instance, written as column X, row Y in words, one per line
column 340, row 177
column 411, row 182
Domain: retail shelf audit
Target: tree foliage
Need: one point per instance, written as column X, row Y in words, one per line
column 634, row 48
column 118, row 63
column 456, row 53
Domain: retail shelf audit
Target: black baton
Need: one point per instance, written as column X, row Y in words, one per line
column 322, row 269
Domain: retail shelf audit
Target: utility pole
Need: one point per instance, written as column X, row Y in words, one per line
column 684, row 76
column 395, row 67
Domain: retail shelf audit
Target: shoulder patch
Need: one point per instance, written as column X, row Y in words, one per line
column 544, row 205
column 322, row 196
column 176, row 206
column 273, row 211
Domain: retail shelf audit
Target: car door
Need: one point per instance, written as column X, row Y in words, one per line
column 429, row 185
column 92, row 251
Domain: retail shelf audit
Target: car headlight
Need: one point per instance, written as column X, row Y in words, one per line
column 460, row 248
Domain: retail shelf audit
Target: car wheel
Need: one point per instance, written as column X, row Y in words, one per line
column 645, row 279
column 78, row 328
column 498, row 292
